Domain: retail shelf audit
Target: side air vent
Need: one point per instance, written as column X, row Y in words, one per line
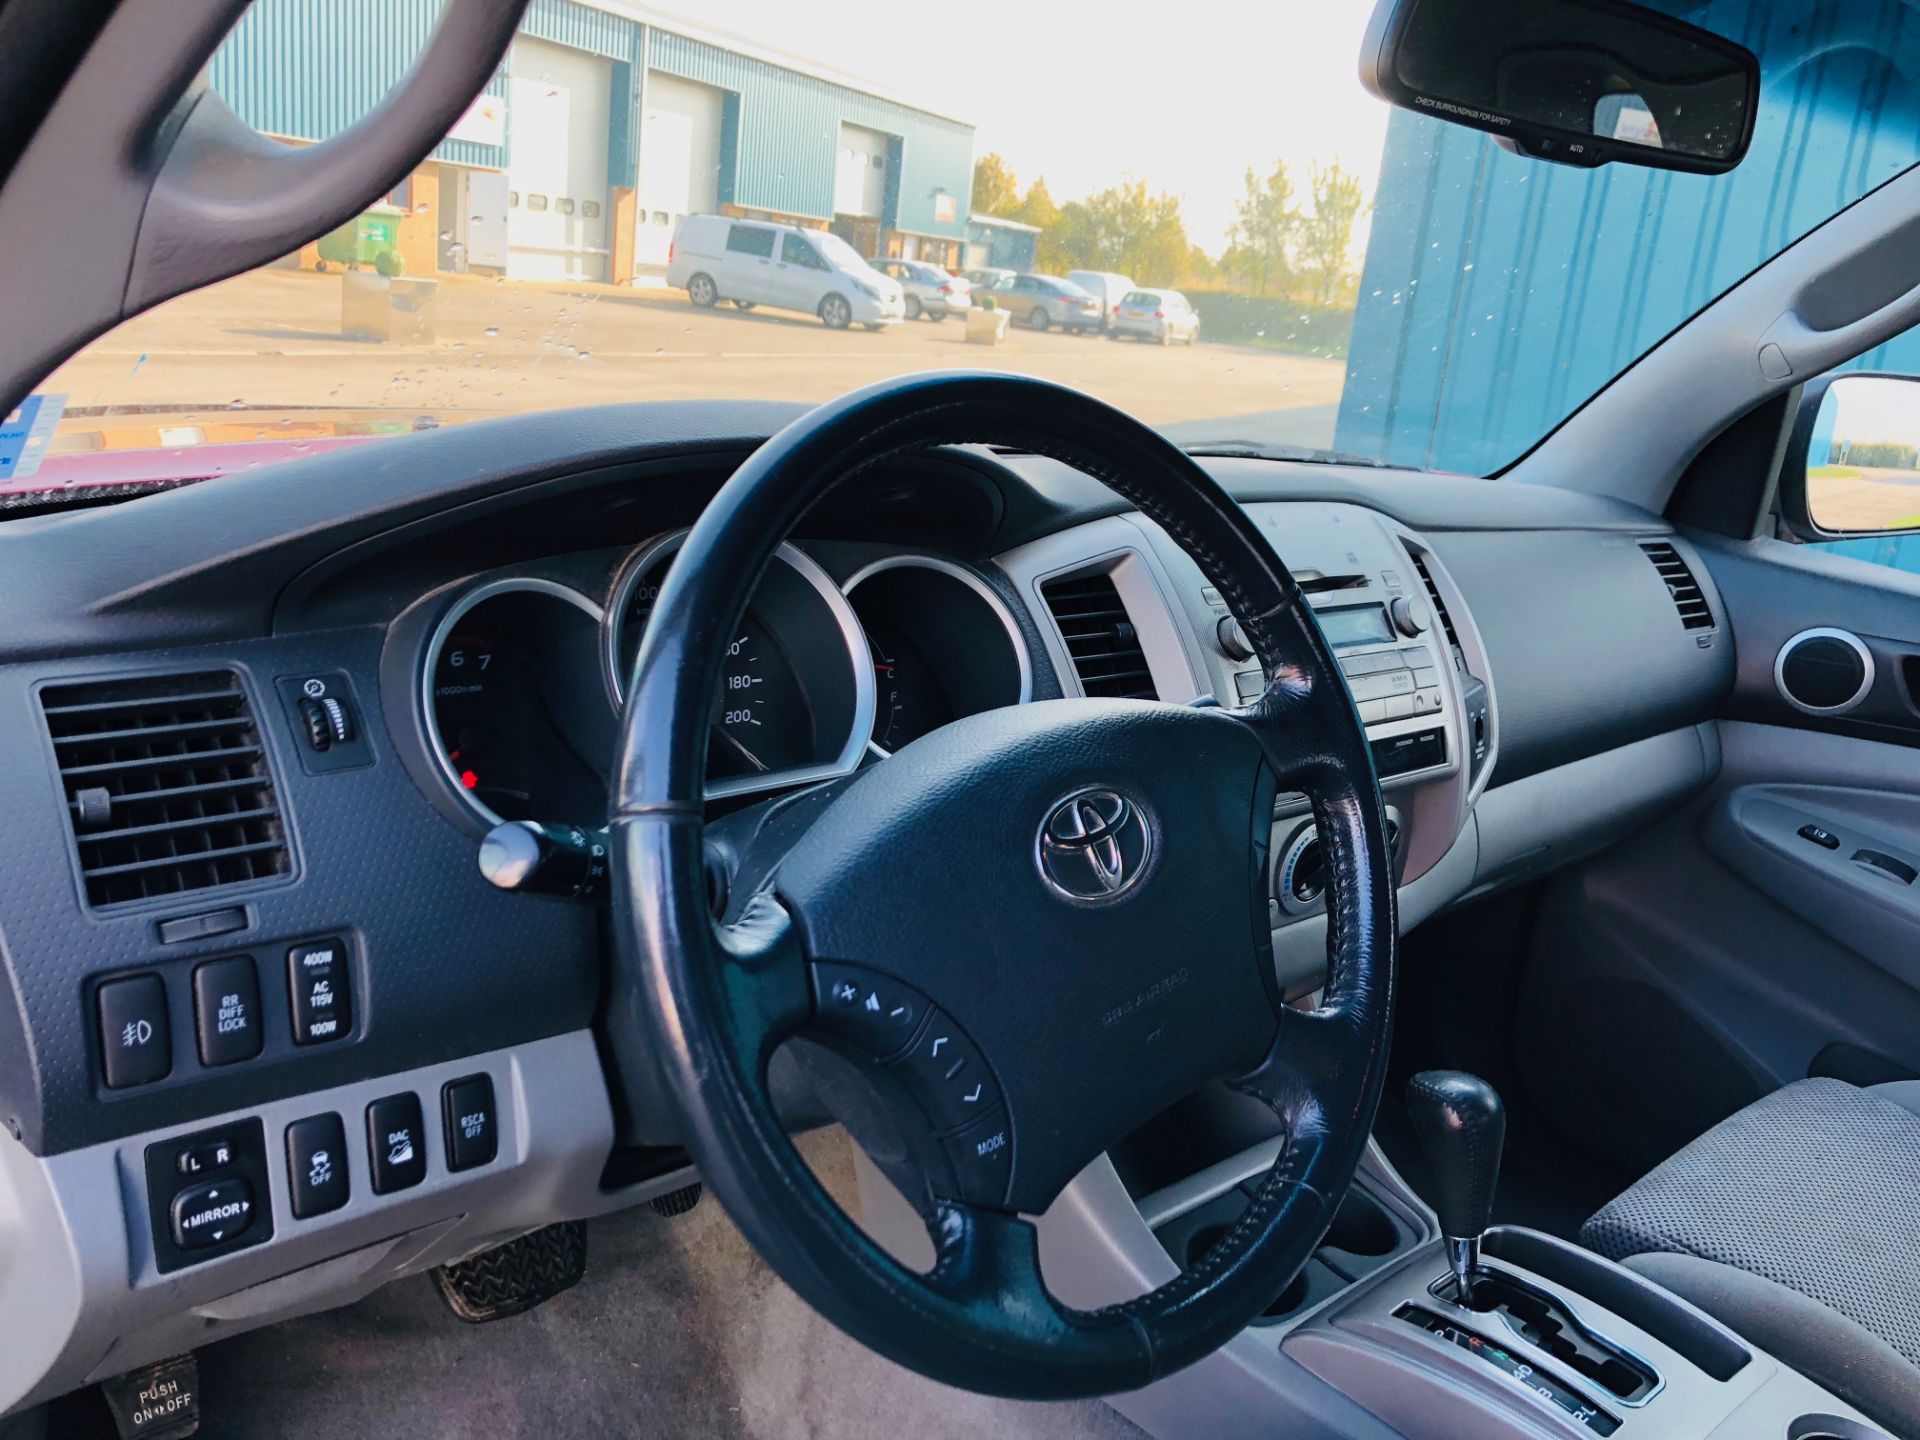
column 1100, row 637
column 1433, row 597
column 1695, row 613
column 166, row 785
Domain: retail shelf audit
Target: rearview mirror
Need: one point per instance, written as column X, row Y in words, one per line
column 1581, row 82
column 1854, row 461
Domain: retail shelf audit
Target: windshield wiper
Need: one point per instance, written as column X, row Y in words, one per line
column 1267, row 450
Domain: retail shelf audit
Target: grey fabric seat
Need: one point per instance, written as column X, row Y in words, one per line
column 1796, row 1222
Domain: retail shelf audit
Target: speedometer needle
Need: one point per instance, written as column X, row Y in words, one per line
column 745, row 754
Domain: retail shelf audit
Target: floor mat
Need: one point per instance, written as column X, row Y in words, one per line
column 678, row 1330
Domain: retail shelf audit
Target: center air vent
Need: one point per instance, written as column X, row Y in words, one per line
column 1433, row 597
column 1695, row 613
column 166, row 785
column 1100, row 637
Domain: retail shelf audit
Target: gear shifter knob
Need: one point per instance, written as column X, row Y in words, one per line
column 1461, row 1126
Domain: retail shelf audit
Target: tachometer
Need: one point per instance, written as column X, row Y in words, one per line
column 795, row 703
column 512, row 724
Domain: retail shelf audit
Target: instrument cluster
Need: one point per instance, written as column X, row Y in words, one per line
column 524, row 678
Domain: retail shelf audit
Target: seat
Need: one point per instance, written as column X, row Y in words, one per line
column 1796, row 1222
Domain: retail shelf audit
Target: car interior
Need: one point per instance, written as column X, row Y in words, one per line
column 946, row 910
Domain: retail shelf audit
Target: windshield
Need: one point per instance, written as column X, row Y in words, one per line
column 1365, row 283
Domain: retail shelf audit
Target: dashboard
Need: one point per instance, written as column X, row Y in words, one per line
column 255, row 729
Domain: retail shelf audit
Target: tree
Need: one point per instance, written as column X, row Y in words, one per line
column 1266, row 226
column 1122, row 228
column 995, row 190
column 1037, row 209
column 1326, row 236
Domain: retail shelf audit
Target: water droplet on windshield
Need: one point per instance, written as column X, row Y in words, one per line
column 491, row 331
column 459, row 345
column 581, row 355
column 236, row 404
column 137, row 364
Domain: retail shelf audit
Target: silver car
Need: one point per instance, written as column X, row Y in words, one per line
column 1163, row 316
column 930, row 291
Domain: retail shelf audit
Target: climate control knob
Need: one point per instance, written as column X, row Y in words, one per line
column 1410, row 615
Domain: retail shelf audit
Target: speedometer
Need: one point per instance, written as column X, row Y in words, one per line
column 796, row 690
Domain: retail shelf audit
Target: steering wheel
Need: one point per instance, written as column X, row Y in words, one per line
column 1032, row 929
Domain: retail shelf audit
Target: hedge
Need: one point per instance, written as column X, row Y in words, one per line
column 1273, row 323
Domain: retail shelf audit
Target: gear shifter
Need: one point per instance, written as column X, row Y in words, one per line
column 1461, row 1126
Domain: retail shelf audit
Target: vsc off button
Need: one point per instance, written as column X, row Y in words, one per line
column 322, row 995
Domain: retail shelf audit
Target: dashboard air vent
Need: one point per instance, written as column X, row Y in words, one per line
column 1100, row 637
column 1433, row 597
column 166, row 784
column 1695, row 613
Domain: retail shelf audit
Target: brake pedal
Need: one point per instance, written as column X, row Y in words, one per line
column 516, row 1276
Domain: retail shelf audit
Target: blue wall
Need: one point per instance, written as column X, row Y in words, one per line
column 310, row 68
column 1499, row 293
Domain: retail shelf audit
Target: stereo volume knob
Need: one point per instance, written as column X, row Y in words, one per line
column 1409, row 614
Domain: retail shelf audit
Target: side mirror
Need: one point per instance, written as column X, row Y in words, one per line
column 1853, row 462
column 1581, row 82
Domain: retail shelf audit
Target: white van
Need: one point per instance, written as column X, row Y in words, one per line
column 1106, row 287
column 758, row 262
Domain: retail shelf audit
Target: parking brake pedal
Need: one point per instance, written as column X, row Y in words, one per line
column 157, row 1402
column 515, row 1276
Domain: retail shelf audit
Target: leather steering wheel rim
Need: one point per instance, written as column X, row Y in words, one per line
column 713, row 1001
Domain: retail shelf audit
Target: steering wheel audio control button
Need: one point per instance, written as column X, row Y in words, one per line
column 982, row 1159
column 875, row 1013
column 946, row 1072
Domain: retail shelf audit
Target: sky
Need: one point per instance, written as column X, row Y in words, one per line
column 1185, row 97
column 1865, row 409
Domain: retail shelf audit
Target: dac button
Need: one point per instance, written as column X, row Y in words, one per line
column 982, row 1159
column 947, row 1073
column 226, row 1010
column 395, row 1143
column 322, row 999
column 873, row 1012
column 204, row 1215
column 135, row 1044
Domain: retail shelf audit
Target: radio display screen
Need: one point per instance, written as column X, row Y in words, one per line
column 1354, row 625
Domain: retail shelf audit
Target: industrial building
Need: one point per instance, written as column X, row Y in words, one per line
column 606, row 123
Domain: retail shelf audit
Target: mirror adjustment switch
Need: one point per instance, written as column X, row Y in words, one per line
column 206, row 1214
column 321, row 992
column 467, row 1117
column 317, row 1165
column 136, row 1047
column 226, row 1010
column 396, row 1143
column 207, row 1194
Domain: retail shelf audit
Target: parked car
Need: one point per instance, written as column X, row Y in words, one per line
column 758, row 262
column 930, row 291
column 1043, row 301
column 1106, row 287
column 987, row 276
column 1162, row 315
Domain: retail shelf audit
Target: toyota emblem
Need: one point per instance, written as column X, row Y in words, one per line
column 1095, row 845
